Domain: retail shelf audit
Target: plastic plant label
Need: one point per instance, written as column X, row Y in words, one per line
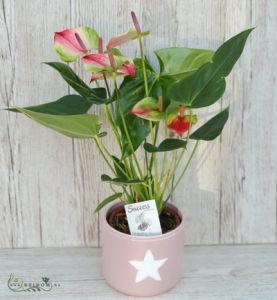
column 143, row 218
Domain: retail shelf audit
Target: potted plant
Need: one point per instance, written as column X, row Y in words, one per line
column 148, row 110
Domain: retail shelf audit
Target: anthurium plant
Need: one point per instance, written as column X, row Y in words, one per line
column 143, row 105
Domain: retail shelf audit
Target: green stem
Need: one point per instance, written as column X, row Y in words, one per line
column 107, row 85
column 183, row 172
column 164, row 159
column 125, row 127
column 111, row 121
column 165, row 185
column 111, row 158
column 103, row 155
column 176, row 166
column 143, row 67
column 109, row 94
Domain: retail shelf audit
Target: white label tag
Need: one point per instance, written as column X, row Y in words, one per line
column 143, row 218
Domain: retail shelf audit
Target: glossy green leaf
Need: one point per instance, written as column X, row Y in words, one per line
column 181, row 62
column 210, row 94
column 212, row 128
column 132, row 91
column 207, row 84
column 102, row 134
column 120, row 181
column 166, row 145
column 177, row 63
column 119, row 167
column 96, row 96
column 67, row 105
column 107, row 201
column 75, row 126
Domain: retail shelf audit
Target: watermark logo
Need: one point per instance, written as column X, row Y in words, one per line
column 17, row 284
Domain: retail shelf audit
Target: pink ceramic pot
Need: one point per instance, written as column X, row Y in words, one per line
column 142, row 266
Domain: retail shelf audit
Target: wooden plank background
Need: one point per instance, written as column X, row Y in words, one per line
column 49, row 184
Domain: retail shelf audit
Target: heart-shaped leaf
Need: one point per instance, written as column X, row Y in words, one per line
column 96, row 96
column 107, row 201
column 121, row 181
column 212, row 128
column 67, row 105
column 166, row 145
column 207, row 84
column 181, row 62
column 75, row 126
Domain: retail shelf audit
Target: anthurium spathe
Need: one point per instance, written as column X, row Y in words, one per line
column 130, row 35
column 149, row 108
column 112, row 61
column 72, row 43
column 100, row 64
column 180, row 123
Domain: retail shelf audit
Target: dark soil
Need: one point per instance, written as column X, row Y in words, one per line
column 169, row 220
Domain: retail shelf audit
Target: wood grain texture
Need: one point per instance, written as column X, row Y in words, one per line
column 210, row 272
column 49, row 184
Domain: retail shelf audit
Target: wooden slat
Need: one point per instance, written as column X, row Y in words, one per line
column 199, row 192
column 249, row 161
column 210, row 272
column 7, row 215
column 43, row 204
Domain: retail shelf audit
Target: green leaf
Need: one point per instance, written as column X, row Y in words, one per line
column 207, row 84
column 67, row 105
column 96, row 95
column 132, row 91
column 107, row 201
column 212, row 129
column 75, row 126
column 166, row 145
column 118, row 170
column 102, row 134
column 121, row 181
column 181, row 62
column 210, row 94
column 178, row 63
column 99, row 96
column 138, row 130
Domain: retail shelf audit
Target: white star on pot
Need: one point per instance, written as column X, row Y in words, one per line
column 148, row 267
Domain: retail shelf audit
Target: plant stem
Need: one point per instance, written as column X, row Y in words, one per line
column 111, row 158
column 164, row 159
column 107, row 85
column 176, row 165
column 125, row 128
column 170, row 175
column 111, row 121
column 183, row 172
column 103, row 155
column 143, row 67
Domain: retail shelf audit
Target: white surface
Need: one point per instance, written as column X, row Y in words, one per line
column 143, row 218
column 148, row 267
column 50, row 184
column 210, row 273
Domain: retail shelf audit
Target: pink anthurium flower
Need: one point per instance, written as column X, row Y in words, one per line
column 180, row 123
column 149, row 108
column 70, row 44
column 99, row 63
column 132, row 34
